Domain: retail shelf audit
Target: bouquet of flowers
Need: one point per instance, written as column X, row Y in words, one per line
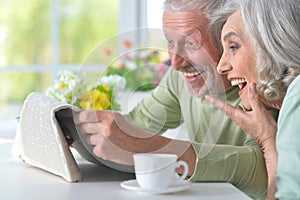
column 142, row 68
column 72, row 88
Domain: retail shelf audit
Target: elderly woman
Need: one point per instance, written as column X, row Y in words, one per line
column 261, row 42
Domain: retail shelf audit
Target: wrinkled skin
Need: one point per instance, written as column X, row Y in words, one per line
column 239, row 63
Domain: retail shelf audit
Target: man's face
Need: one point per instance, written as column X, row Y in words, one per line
column 191, row 53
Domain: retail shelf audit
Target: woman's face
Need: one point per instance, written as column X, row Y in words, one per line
column 239, row 59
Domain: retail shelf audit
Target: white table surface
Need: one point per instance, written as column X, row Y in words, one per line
column 19, row 181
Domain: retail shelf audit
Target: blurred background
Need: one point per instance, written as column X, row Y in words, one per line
column 38, row 38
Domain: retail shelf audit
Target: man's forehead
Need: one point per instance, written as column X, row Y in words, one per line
column 183, row 33
column 184, row 22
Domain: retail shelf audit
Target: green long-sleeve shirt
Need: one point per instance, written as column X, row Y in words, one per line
column 224, row 151
column 288, row 145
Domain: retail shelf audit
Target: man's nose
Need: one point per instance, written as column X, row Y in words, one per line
column 176, row 61
column 224, row 66
column 176, row 53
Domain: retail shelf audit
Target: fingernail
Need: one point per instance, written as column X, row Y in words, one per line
column 252, row 87
column 207, row 97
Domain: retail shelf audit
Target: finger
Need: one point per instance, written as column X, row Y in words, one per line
column 255, row 102
column 240, row 108
column 90, row 128
column 236, row 114
column 88, row 139
column 229, row 110
column 94, row 139
column 88, row 116
column 216, row 102
column 82, row 117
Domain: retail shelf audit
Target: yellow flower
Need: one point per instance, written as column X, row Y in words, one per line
column 96, row 100
column 106, row 87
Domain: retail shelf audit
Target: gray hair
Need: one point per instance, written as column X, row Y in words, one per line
column 275, row 27
column 186, row 5
column 218, row 18
column 207, row 7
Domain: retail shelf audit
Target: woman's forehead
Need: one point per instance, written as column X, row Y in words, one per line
column 234, row 24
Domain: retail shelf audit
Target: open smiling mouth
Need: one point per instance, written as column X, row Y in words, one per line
column 241, row 83
column 191, row 72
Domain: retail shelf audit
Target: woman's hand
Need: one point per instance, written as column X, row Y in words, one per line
column 260, row 124
column 257, row 122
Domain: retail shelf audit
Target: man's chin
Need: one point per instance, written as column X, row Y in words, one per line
column 197, row 92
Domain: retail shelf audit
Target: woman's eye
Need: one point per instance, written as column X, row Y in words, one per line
column 233, row 48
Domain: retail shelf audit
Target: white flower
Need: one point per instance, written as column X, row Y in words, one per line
column 68, row 87
column 116, row 82
column 72, row 87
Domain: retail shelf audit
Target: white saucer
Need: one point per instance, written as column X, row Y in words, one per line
column 176, row 187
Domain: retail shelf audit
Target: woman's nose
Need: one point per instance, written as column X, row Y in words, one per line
column 224, row 66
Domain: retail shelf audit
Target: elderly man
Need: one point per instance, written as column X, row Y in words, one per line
column 218, row 149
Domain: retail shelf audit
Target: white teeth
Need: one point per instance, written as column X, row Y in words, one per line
column 191, row 74
column 238, row 81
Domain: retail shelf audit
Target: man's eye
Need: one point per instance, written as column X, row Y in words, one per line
column 192, row 44
column 170, row 41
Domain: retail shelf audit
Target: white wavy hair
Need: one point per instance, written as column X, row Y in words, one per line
column 275, row 27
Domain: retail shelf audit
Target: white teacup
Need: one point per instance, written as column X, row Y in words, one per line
column 156, row 171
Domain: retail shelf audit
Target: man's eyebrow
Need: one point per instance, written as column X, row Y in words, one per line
column 190, row 33
column 227, row 35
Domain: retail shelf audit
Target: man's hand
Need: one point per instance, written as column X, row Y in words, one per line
column 117, row 139
column 113, row 137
